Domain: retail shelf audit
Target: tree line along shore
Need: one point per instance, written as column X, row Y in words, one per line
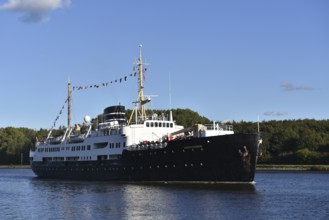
column 287, row 142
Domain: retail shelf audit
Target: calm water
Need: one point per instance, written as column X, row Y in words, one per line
column 274, row 196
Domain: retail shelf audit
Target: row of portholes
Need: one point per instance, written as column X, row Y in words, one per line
column 164, row 152
column 114, row 168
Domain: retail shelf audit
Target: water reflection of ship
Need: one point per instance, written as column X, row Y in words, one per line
column 146, row 148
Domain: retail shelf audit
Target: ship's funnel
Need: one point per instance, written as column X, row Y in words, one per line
column 115, row 113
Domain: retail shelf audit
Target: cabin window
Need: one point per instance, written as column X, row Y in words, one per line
column 124, row 144
column 156, row 124
column 167, row 125
column 171, row 125
column 147, row 124
column 160, row 124
column 152, row 124
column 88, row 147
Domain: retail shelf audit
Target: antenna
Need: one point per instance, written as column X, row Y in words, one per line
column 69, row 103
column 170, row 91
column 170, row 112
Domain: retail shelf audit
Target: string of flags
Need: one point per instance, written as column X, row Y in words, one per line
column 59, row 114
column 104, row 84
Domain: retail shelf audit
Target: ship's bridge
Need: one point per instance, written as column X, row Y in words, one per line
column 150, row 130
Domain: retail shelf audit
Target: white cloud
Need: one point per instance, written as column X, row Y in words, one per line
column 281, row 113
column 268, row 113
column 287, row 86
column 34, row 10
column 272, row 113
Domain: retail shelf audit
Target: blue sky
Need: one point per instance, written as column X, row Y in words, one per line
column 227, row 60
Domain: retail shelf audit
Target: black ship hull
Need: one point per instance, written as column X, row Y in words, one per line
column 226, row 158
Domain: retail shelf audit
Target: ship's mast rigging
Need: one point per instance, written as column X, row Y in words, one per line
column 140, row 99
column 68, row 101
column 141, row 86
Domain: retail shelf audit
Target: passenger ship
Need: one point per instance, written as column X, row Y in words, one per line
column 146, row 149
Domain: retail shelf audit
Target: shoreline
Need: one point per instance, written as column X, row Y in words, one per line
column 276, row 167
column 15, row 166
